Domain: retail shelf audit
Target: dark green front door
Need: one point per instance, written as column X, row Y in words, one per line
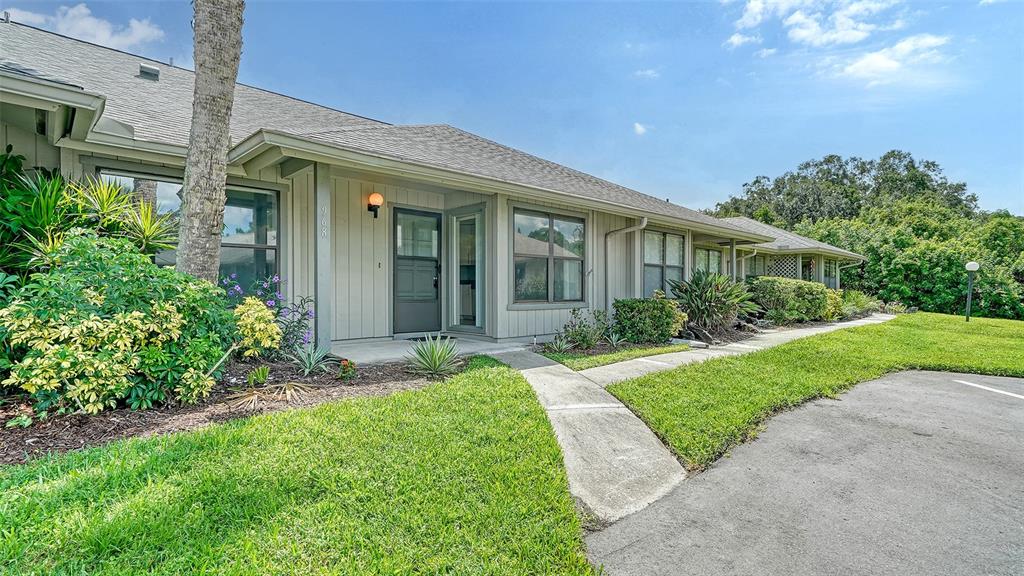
column 417, row 281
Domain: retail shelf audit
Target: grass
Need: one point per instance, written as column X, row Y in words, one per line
column 581, row 360
column 702, row 410
column 464, row 476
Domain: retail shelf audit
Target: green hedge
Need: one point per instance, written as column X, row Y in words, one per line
column 647, row 320
column 787, row 300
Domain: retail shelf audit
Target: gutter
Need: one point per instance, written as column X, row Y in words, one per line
column 607, row 238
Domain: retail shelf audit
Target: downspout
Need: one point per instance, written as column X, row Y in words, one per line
column 607, row 244
column 743, row 259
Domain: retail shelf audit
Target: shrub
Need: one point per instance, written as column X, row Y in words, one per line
column 258, row 375
column 105, row 324
column 293, row 318
column 857, row 303
column 559, row 345
column 434, row 357
column 833, row 306
column 582, row 332
column 787, row 300
column 712, row 302
column 646, row 320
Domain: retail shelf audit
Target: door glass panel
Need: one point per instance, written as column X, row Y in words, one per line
column 468, row 242
column 416, row 235
column 531, row 234
column 715, row 261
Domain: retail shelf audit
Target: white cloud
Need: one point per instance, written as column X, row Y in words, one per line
column 886, row 65
column 78, row 22
column 987, row 2
column 757, row 11
column 766, row 52
column 737, row 40
column 649, row 73
column 819, row 23
column 639, row 129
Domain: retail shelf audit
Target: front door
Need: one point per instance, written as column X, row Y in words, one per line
column 417, row 279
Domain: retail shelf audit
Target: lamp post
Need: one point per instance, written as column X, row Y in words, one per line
column 971, row 267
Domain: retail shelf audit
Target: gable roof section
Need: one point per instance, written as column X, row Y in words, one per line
column 786, row 241
column 160, row 111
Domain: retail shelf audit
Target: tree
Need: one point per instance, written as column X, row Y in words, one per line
column 217, row 48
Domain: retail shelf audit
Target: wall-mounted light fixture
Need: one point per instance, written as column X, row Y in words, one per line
column 375, row 202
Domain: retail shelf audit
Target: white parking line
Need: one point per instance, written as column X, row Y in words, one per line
column 989, row 389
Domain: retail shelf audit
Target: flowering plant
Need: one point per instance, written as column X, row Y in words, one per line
column 293, row 318
column 346, row 369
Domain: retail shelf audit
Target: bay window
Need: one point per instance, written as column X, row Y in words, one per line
column 548, row 253
column 664, row 256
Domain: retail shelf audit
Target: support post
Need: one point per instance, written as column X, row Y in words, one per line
column 323, row 263
column 970, row 291
column 732, row 258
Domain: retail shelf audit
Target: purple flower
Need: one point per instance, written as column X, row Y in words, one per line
column 259, row 292
column 311, row 315
column 233, row 275
column 271, row 303
column 266, row 285
column 276, row 278
column 224, row 281
column 307, row 337
column 278, row 296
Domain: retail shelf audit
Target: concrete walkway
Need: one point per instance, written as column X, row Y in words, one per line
column 611, row 373
column 615, row 464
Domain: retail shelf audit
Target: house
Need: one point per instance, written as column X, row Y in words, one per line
column 393, row 230
column 790, row 255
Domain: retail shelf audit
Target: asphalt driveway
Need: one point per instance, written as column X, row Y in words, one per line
column 914, row 473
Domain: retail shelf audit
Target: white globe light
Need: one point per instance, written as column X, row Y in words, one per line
column 972, row 266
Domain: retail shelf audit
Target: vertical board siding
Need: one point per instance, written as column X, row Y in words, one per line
column 17, row 128
column 362, row 254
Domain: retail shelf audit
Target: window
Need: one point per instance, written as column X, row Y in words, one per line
column 831, row 273
column 757, row 266
column 548, row 252
column 708, row 260
column 249, row 238
column 807, row 268
column 663, row 261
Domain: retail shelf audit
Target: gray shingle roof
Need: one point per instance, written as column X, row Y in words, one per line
column 158, row 110
column 786, row 240
column 161, row 110
column 450, row 148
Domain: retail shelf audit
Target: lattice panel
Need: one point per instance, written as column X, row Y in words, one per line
column 783, row 266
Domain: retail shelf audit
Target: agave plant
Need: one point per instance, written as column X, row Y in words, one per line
column 312, row 358
column 149, row 231
column 434, row 356
column 560, row 345
column 614, row 340
column 712, row 302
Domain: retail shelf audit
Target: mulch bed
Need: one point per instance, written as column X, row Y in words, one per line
column 59, row 434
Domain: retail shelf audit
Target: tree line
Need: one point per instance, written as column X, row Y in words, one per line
column 916, row 227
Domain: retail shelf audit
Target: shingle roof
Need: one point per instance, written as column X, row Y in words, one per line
column 450, row 148
column 160, row 111
column 786, row 240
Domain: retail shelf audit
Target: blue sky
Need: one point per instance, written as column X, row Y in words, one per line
column 680, row 100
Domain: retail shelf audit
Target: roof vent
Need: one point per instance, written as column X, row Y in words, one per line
column 149, row 72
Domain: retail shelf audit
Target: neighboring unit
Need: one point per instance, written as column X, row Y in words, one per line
column 394, row 230
column 791, row 255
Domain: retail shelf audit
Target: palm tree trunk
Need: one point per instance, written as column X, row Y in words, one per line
column 218, row 47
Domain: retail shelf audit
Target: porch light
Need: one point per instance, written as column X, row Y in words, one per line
column 375, row 202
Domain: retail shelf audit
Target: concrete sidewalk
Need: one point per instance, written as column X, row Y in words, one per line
column 615, row 464
column 611, row 373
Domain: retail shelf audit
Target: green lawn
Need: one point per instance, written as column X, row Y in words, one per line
column 701, row 410
column 463, row 477
column 578, row 361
